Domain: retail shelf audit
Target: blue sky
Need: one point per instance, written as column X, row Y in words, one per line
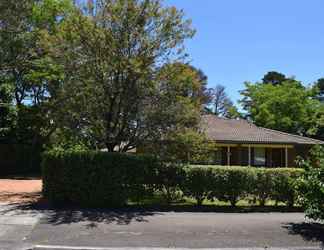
column 239, row 41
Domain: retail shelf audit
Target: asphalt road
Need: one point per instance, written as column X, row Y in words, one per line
column 15, row 226
column 140, row 229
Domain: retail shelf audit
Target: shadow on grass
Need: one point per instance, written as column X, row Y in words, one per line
column 309, row 231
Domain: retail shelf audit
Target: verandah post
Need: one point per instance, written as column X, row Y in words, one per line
column 249, row 155
column 286, row 157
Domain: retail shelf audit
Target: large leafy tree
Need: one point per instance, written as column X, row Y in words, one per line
column 274, row 78
column 114, row 55
column 289, row 107
column 176, row 115
column 25, row 69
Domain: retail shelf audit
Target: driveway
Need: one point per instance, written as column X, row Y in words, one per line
column 16, row 224
column 20, row 190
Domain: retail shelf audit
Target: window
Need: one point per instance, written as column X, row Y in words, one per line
column 259, row 157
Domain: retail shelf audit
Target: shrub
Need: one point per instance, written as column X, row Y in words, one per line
column 284, row 185
column 99, row 179
column 277, row 184
column 311, row 186
column 20, row 159
column 263, row 185
column 232, row 183
column 169, row 179
column 198, row 183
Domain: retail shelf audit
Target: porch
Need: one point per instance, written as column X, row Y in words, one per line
column 258, row 155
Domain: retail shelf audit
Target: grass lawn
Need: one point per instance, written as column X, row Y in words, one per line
column 188, row 204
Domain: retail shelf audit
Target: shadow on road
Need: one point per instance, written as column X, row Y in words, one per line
column 20, row 196
column 58, row 216
column 309, row 231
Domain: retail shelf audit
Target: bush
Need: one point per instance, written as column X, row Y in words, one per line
column 284, row 185
column 230, row 184
column 311, row 186
column 263, row 185
column 96, row 179
column 169, row 179
column 20, row 159
column 100, row 179
column 198, row 183
column 277, row 184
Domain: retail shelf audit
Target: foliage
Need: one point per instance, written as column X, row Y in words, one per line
column 186, row 146
column 101, row 179
column 264, row 185
column 277, row 184
column 311, row 187
column 19, row 159
column 287, row 107
column 7, row 112
column 95, row 179
column 320, row 85
column 233, row 183
column 221, row 104
column 169, row 180
column 274, row 78
column 284, row 189
column 198, row 183
column 115, row 95
column 26, row 74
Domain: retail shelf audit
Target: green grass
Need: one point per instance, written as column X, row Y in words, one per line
column 158, row 200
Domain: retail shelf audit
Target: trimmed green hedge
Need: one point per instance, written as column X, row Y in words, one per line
column 232, row 184
column 99, row 179
column 19, row 159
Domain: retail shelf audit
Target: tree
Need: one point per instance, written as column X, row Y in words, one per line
column 27, row 78
column 274, row 78
column 320, row 85
column 114, row 59
column 287, row 107
column 7, row 112
column 221, row 104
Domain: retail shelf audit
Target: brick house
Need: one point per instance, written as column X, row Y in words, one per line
column 242, row 143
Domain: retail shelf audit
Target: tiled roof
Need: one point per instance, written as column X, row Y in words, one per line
column 242, row 131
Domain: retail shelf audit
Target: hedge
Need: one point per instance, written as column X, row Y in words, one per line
column 100, row 179
column 96, row 179
column 231, row 184
column 19, row 159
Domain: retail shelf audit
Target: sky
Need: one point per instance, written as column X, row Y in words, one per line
column 241, row 40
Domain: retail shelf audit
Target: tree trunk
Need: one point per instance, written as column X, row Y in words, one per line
column 110, row 147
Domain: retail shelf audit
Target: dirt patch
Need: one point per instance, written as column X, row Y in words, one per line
column 16, row 191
